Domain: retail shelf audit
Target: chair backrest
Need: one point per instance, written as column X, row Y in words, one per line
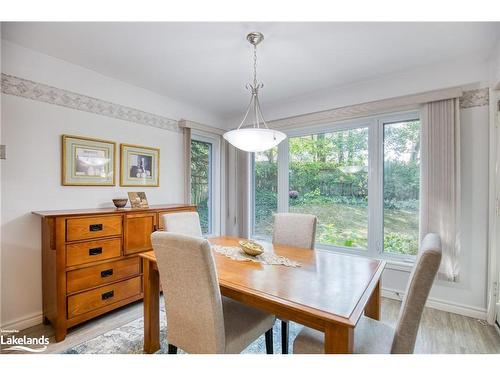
column 187, row 223
column 191, row 290
column 417, row 291
column 297, row 230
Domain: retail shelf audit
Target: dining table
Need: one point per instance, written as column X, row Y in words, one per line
column 327, row 291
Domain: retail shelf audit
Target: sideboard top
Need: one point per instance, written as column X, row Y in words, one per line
column 113, row 210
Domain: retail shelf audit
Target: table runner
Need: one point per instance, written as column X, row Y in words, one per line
column 266, row 257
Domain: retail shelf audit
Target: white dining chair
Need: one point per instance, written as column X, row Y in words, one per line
column 298, row 230
column 374, row 337
column 187, row 223
column 199, row 319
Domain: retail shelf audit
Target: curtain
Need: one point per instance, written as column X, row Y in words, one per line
column 186, row 133
column 440, row 181
column 238, row 192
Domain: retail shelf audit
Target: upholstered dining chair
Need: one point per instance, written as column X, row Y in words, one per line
column 297, row 230
column 374, row 337
column 199, row 319
column 187, row 223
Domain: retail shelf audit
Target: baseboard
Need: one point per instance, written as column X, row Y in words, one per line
column 23, row 323
column 438, row 304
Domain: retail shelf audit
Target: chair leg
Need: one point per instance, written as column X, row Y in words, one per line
column 269, row 342
column 284, row 336
column 172, row 349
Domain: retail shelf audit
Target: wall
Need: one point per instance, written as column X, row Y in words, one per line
column 495, row 66
column 30, row 177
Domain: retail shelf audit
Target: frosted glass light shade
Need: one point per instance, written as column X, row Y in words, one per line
column 254, row 139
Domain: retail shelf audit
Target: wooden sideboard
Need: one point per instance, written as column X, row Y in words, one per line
column 90, row 262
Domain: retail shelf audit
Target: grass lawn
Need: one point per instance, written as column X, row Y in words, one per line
column 341, row 224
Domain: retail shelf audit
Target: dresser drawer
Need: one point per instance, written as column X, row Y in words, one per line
column 92, row 251
column 93, row 227
column 93, row 276
column 93, row 299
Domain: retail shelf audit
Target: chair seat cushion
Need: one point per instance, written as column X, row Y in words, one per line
column 370, row 337
column 243, row 324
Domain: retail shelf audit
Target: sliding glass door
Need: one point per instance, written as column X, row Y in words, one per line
column 201, row 182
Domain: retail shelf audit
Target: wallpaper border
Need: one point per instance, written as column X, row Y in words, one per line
column 12, row 85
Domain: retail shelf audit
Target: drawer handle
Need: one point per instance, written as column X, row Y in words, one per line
column 95, row 227
column 107, row 273
column 107, row 295
column 95, row 251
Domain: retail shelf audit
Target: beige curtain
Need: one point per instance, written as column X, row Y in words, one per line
column 440, row 181
column 186, row 133
column 238, row 192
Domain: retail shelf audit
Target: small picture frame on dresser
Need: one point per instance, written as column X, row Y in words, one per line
column 139, row 166
column 87, row 161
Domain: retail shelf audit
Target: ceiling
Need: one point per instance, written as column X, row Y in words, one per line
column 208, row 64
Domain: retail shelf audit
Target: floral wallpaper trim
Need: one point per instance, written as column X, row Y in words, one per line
column 13, row 85
column 475, row 98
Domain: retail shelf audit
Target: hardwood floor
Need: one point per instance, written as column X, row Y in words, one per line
column 440, row 332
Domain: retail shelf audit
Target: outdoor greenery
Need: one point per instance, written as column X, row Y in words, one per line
column 328, row 177
column 200, row 162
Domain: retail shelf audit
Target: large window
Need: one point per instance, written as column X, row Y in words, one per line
column 401, row 186
column 265, row 191
column 201, row 182
column 329, row 178
column 360, row 178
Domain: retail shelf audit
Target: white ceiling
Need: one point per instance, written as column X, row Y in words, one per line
column 208, row 64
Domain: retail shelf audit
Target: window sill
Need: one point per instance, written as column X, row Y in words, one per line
column 391, row 263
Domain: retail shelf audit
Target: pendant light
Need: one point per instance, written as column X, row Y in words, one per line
column 254, row 138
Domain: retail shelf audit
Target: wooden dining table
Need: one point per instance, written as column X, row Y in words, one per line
column 328, row 291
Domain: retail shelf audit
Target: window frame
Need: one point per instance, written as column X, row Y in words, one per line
column 214, row 200
column 375, row 228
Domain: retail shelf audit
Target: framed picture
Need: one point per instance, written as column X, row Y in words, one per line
column 139, row 166
column 138, row 199
column 87, row 161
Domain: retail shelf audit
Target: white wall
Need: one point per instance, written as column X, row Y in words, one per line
column 30, row 177
column 495, row 67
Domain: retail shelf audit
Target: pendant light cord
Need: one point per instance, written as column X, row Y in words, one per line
column 255, row 65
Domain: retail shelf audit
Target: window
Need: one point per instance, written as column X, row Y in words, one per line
column 360, row 178
column 265, row 191
column 329, row 179
column 401, row 187
column 201, row 182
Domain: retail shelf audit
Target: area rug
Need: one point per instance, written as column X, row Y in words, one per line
column 129, row 339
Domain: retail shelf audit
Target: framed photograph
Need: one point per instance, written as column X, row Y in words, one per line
column 139, row 166
column 138, row 199
column 87, row 161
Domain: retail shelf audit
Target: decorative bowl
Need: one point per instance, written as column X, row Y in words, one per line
column 120, row 202
column 251, row 247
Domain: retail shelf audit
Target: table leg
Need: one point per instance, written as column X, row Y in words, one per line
column 339, row 339
column 151, row 308
column 372, row 308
